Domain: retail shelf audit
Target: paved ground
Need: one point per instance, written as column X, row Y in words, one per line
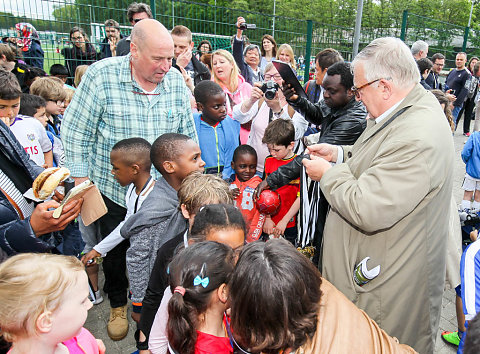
column 99, row 314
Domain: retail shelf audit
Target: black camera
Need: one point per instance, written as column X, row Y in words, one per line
column 270, row 88
column 244, row 26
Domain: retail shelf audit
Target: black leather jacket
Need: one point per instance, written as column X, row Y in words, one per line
column 340, row 126
column 17, row 235
column 201, row 71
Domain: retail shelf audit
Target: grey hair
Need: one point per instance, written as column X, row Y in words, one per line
column 252, row 47
column 388, row 58
column 268, row 67
column 419, row 46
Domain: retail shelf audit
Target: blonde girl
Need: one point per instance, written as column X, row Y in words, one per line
column 44, row 304
column 285, row 54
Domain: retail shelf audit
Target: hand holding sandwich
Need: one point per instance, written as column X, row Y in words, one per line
column 42, row 220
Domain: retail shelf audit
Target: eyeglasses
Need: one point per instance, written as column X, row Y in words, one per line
column 58, row 103
column 273, row 77
column 77, row 38
column 137, row 20
column 140, row 92
column 356, row 90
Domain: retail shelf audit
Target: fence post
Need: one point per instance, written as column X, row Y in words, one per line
column 404, row 25
column 306, row 73
column 358, row 26
column 154, row 10
column 465, row 39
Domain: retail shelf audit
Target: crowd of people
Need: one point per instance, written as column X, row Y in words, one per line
column 182, row 142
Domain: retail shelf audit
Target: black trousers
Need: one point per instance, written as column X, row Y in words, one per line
column 115, row 263
column 467, row 111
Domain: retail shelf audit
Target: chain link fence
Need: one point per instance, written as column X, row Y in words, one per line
column 53, row 19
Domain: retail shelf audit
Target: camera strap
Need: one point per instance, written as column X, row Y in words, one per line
column 270, row 115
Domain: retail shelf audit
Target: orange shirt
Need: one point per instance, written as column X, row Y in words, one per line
column 247, row 206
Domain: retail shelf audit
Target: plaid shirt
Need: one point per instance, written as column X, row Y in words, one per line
column 104, row 110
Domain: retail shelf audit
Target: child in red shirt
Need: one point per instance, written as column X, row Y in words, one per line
column 280, row 139
column 244, row 164
column 197, row 323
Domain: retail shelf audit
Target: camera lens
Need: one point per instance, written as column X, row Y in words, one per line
column 270, row 94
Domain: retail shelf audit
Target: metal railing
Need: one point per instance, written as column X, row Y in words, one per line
column 54, row 19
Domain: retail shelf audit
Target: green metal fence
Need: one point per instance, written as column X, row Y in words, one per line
column 442, row 37
column 53, row 19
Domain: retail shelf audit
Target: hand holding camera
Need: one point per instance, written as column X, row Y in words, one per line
column 242, row 25
column 270, row 89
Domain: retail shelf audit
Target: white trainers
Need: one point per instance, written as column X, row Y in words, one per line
column 98, row 298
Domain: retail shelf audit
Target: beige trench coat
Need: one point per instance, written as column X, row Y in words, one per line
column 343, row 328
column 390, row 201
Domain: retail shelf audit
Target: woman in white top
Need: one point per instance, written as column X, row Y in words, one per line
column 269, row 51
column 260, row 111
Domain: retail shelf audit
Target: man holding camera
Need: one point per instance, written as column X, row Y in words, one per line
column 247, row 57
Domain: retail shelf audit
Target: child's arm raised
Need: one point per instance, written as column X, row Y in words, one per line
column 282, row 224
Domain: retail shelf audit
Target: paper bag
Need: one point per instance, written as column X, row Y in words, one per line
column 93, row 207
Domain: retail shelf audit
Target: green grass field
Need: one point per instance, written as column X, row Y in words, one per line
column 51, row 57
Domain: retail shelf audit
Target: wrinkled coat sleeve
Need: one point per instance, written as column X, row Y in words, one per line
column 17, row 236
column 238, row 56
column 399, row 169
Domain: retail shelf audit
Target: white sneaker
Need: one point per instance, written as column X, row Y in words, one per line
column 98, row 298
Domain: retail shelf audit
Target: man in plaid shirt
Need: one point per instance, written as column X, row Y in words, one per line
column 122, row 97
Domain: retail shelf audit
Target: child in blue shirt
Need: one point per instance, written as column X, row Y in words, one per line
column 218, row 134
column 471, row 183
column 470, row 276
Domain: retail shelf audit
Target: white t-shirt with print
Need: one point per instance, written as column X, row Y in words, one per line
column 32, row 136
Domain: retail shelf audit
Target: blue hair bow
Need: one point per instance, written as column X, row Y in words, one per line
column 201, row 281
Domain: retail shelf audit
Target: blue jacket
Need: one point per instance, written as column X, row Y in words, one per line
column 471, row 155
column 17, row 235
column 218, row 144
column 34, row 56
column 245, row 70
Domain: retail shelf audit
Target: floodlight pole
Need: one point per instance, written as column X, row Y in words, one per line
column 273, row 26
column 358, row 26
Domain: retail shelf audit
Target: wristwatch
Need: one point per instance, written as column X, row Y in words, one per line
column 278, row 114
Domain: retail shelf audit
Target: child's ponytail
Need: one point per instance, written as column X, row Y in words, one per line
column 195, row 273
column 181, row 327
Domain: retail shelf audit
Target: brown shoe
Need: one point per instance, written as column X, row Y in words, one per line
column 117, row 327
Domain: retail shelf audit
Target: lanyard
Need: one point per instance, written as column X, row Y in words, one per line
column 139, row 194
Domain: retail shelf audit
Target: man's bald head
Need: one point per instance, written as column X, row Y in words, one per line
column 151, row 50
column 149, row 31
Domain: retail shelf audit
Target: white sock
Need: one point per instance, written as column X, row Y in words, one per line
column 466, row 204
column 476, row 205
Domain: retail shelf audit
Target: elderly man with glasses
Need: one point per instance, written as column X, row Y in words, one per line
column 390, row 196
column 247, row 57
column 122, row 97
